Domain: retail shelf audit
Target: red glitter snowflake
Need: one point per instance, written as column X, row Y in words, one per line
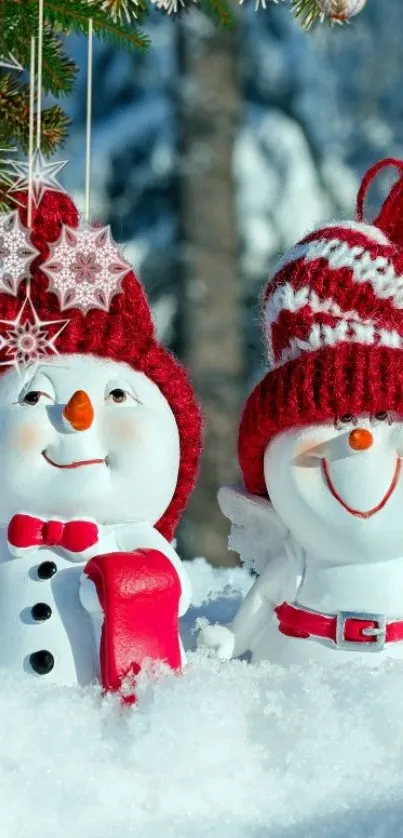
column 25, row 340
column 16, row 252
column 85, row 268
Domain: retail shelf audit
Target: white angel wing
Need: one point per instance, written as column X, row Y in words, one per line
column 257, row 532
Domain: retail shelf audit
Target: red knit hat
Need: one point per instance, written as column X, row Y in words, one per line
column 123, row 333
column 333, row 328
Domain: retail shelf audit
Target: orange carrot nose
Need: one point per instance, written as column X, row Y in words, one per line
column 360, row 439
column 79, row 411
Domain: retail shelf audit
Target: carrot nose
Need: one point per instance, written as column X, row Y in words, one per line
column 360, row 439
column 79, row 411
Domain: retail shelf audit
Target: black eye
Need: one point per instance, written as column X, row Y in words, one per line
column 32, row 397
column 346, row 419
column 118, row 395
column 382, row 416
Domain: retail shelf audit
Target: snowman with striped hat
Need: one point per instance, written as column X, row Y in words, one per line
column 320, row 516
column 99, row 444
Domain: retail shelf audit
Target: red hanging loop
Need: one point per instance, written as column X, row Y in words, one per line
column 390, row 218
column 367, row 180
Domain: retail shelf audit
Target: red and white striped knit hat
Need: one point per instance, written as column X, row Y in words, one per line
column 333, row 328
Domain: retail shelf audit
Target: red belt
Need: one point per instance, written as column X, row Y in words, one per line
column 347, row 629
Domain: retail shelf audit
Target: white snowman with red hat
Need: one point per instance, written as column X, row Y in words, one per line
column 320, row 517
column 99, row 443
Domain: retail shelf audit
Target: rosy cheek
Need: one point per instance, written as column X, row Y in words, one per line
column 126, row 430
column 26, row 438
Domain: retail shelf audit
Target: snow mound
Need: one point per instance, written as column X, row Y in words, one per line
column 228, row 750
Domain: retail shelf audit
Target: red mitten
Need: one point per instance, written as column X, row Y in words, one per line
column 139, row 593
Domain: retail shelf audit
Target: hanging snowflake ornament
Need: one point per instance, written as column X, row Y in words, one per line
column 85, row 268
column 16, row 253
column 25, row 340
column 43, row 176
column 335, row 11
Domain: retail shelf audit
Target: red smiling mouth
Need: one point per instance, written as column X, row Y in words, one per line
column 356, row 512
column 78, row 464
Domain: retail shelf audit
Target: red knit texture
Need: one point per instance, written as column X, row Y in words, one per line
column 351, row 377
column 124, row 333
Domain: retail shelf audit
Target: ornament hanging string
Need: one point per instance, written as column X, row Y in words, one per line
column 39, row 82
column 31, row 111
column 31, row 134
column 89, row 119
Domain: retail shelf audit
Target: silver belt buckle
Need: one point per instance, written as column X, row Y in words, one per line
column 378, row 631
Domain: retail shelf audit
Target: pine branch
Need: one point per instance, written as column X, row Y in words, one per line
column 58, row 70
column 6, row 151
column 15, row 36
column 15, row 27
column 219, row 11
column 307, row 11
column 19, row 20
column 14, row 117
column 5, row 202
column 75, row 14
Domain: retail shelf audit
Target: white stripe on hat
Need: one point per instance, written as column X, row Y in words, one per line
column 378, row 270
column 300, row 250
column 287, row 298
column 346, row 331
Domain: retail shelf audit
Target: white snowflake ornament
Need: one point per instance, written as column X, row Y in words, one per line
column 85, row 268
column 16, row 253
column 26, row 340
column 44, row 176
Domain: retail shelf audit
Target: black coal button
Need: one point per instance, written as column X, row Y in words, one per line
column 42, row 662
column 41, row 611
column 46, row 570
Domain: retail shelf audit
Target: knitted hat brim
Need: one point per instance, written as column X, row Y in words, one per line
column 316, row 388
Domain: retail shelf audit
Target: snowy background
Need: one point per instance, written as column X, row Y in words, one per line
column 227, row 750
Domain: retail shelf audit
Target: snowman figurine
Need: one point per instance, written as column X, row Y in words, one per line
column 99, row 443
column 320, row 446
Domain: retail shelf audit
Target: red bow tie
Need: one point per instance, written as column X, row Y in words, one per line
column 24, row 531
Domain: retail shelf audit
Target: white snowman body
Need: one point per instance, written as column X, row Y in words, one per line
column 330, row 542
column 119, row 472
column 67, row 635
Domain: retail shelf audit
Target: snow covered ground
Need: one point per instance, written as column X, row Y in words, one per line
column 226, row 751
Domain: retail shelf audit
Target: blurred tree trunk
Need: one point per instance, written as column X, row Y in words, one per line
column 212, row 333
